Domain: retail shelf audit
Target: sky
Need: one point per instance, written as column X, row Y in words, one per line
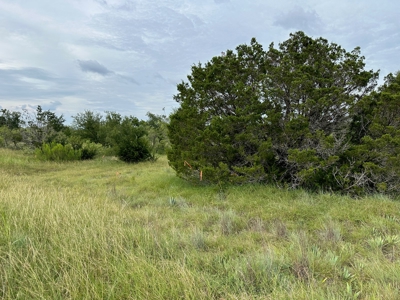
column 127, row 56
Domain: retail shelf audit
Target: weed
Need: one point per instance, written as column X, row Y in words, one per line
column 198, row 239
column 301, row 269
column 172, row 201
column 230, row 222
column 350, row 293
column 256, row 224
column 279, row 228
column 331, row 232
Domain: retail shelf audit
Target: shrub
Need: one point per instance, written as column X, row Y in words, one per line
column 89, row 150
column 57, row 152
column 129, row 140
column 10, row 137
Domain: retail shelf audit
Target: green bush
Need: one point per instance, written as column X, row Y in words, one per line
column 130, row 141
column 89, row 150
column 124, row 137
column 9, row 138
column 75, row 141
column 57, row 152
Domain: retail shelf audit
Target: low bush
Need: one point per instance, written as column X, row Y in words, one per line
column 90, row 150
column 57, row 152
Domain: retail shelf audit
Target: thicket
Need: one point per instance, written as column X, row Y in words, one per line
column 67, row 152
column 305, row 114
column 89, row 135
column 127, row 137
column 30, row 129
column 57, row 152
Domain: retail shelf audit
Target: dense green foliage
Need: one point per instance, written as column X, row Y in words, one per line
column 87, row 126
column 90, row 134
column 157, row 133
column 305, row 114
column 373, row 159
column 10, row 119
column 67, row 152
column 89, row 150
column 291, row 116
column 57, row 152
column 10, row 137
column 125, row 136
column 129, row 140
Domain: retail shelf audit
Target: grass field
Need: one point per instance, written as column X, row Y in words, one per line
column 104, row 229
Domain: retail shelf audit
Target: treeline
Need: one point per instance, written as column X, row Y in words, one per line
column 90, row 134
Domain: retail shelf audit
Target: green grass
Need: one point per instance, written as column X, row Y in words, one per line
column 103, row 229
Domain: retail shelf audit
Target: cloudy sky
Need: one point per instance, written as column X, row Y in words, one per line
column 128, row 55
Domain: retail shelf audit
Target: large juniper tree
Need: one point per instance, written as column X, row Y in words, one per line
column 283, row 114
column 372, row 163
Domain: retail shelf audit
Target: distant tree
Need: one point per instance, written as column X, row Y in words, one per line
column 157, row 133
column 285, row 115
column 110, row 128
column 11, row 120
column 42, row 126
column 87, row 126
column 10, row 137
column 10, row 128
column 129, row 139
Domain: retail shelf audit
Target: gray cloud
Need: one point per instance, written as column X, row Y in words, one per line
column 94, row 67
column 129, row 54
column 25, row 82
column 300, row 19
column 30, row 72
column 28, row 87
